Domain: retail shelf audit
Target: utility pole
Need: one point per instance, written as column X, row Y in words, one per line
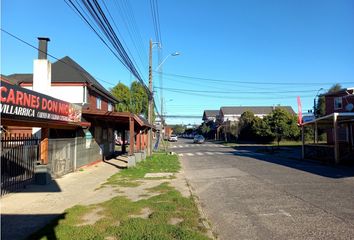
column 151, row 103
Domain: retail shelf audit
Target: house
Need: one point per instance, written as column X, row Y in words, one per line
column 229, row 117
column 233, row 114
column 337, row 124
column 210, row 115
column 66, row 146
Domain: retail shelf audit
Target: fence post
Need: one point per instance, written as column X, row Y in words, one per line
column 75, row 153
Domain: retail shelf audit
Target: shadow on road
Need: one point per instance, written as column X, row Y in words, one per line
column 17, row 226
column 290, row 157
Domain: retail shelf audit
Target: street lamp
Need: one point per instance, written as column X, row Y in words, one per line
column 163, row 61
column 158, row 68
column 314, row 102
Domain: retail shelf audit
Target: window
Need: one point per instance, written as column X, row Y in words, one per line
column 337, row 103
column 110, row 107
column 98, row 103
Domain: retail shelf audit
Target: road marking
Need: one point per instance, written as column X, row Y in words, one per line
column 209, row 153
column 284, row 213
column 199, row 153
column 180, row 154
column 190, row 154
column 219, row 153
column 281, row 212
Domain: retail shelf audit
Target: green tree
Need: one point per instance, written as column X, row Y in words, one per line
column 321, row 105
column 139, row 98
column 178, row 129
column 205, row 129
column 122, row 93
column 262, row 130
column 282, row 124
column 246, row 126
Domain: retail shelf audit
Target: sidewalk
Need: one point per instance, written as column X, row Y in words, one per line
column 25, row 212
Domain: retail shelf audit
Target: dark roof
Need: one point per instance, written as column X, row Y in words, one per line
column 210, row 113
column 21, row 78
column 255, row 110
column 144, row 120
column 67, row 70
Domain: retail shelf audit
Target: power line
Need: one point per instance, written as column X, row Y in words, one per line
column 99, row 17
column 249, row 82
column 52, row 56
column 128, row 19
column 236, row 92
column 240, row 98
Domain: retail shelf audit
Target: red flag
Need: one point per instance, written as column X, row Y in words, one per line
column 299, row 109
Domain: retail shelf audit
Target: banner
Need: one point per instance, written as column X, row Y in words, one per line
column 299, row 109
column 21, row 103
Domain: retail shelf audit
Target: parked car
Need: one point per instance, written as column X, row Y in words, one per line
column 173, row 138
column 119, row 141
column 198, row 139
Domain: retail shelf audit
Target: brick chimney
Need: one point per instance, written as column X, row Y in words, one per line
column 42, row 47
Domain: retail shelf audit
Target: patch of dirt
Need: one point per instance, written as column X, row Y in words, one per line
column 145, row 213
column 140, row 192
column 91, row 217
column 175, row 221
column 110, row 238
column 158, row 175
column 102, row 194
column 181, row 185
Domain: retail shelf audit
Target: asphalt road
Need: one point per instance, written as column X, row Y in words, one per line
column 248, row 195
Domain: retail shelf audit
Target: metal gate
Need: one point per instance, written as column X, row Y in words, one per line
column 19, row 155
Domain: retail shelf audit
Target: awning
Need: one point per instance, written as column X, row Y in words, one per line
column 342, row 117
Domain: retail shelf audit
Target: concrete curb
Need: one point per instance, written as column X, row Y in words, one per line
column 138, row 157
column 131, row 161
column 205, row 220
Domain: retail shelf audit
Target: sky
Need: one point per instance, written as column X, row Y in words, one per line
column 232, row 52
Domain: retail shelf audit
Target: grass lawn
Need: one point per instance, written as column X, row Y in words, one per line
column 165, row 215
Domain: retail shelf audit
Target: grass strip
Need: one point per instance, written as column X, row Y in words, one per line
column 121, row 218
column 158, row 163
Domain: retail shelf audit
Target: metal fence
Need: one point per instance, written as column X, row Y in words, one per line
column 19, row 155
column 61, row 156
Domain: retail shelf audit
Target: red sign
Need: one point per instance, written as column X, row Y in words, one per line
column 299, row 109
column 23, row 103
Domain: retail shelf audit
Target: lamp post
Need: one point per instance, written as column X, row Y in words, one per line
column 151, row 97
column 159, row 69
column 314, row 102
column 163, row 61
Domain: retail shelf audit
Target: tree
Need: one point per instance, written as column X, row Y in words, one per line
column 178, row 129
column 139, row 99
column 122, row 93
column 262, row 130
column 321, row 105
column 282, row 124
column 246, row 125
column 205, row 129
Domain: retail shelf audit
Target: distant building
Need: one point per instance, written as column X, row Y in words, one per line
column 210, row 115
column 233, row 114
column 229, row 117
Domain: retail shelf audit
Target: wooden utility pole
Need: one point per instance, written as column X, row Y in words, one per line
column 151, row 103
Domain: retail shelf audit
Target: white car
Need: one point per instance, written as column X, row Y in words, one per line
column 173, row 138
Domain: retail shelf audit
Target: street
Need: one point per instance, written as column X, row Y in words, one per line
column 248, row 195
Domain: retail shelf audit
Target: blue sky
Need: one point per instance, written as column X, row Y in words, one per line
column 242, row 52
